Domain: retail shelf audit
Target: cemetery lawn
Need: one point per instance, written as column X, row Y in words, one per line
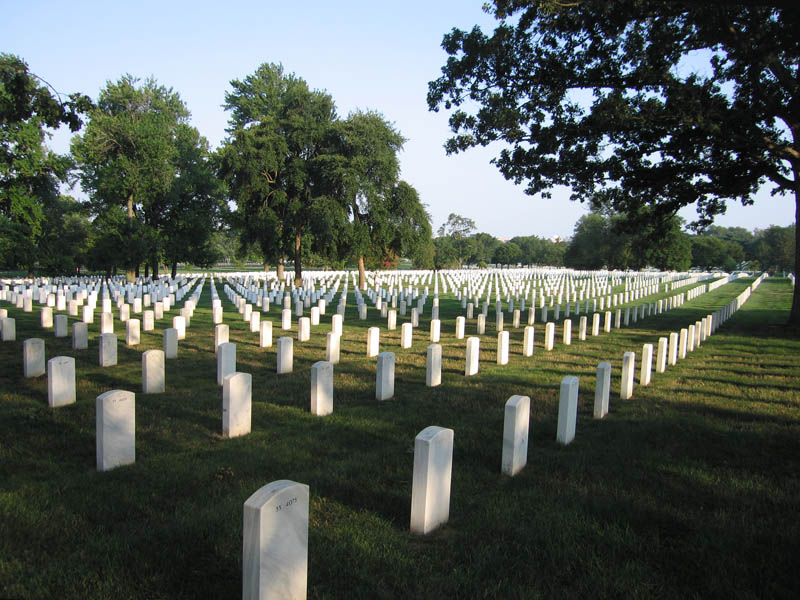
column 691, row 489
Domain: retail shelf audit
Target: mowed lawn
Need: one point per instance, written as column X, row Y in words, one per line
column 690, row 489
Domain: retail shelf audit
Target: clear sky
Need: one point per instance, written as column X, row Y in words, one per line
column 368, row 54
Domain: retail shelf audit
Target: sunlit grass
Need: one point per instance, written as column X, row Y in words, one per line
column 689, row 489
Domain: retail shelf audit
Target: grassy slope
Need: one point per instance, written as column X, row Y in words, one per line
column 691, row 488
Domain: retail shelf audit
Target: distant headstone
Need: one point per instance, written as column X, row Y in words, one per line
column 430, row 488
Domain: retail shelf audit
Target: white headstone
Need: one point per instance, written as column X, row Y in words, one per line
column 527, row 340
column 628, row 370
column 436, row 328
column 502, row 347
column 275, row 542
column 237, row 394
column 226, row 361
column 179, row 323
column 406, row 335
column 132, row 336
column 567, row 410
column 115, row 416
column 285, row 355
column 265, row 334
column 153, row 374
column 33, row 357
column 322, row 387
column 108, row 350
column 61, row 326
column 80, row 336
column 647, row 364
column 303, row 329
column 373, row 341
column 433, row 467
column 60, row 381
column 515, row 434
column 221, row 336
column 549, row 335
column 602, row 390
column 384, row 376
column 473, row 356
column 333, row 346
column 433, row 365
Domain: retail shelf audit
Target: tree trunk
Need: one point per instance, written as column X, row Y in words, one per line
column 794, row 316
column 280, row 269
column 362, row 274
column 298, row 267
column 146, row 270
column 174, row 269
column 130, row 274
column 155, row 269
column 137, row 271
column 266, row 267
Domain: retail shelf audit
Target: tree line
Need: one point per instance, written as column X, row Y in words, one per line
column 601, row 241
column 291, row 182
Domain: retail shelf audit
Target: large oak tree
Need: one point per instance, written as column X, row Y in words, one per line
column 644, row 106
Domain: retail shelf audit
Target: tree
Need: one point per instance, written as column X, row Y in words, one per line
column 361, row 169
column 194, row 207
column 127, row 157
column 710, row 252
column 277, row 129
column 458, row 228
column 604, row 97
column 775, row 248
column 507, row 254
column 483, row 247
column 29, row 172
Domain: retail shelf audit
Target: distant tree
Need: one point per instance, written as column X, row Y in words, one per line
column 194, row 206
column 507, row 253
column 483, row 247
column 30, row 173
column 445, row 253
column 458, row 229
column 709, row 252
column 411, row 226
column 360, row 168
column 652, row 132
column 127, row 157
column 774, row 248
column 276, row 134
column 65, row 236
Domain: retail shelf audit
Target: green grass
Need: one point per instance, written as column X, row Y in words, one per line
column 689, row 489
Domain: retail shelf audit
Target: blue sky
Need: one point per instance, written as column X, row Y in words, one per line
column 367, row 55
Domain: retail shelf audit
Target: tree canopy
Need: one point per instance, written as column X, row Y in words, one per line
column 643, row 106
column 30, row 173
